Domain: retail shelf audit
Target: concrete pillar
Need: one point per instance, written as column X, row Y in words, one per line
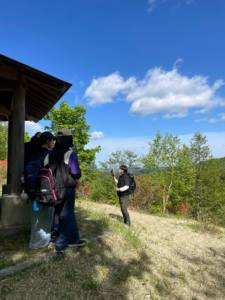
column 17, row 146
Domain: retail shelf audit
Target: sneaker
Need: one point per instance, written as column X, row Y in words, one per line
column 77, row 244
column 60, row 251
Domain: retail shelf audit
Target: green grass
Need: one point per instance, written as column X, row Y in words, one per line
column 16, row 249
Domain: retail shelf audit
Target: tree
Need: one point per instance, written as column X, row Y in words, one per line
column 122, row 157
column 208, row 193
column 183, row 184
column 161, row 162
column 27, row 138
column 3, row 140
column 73, row 118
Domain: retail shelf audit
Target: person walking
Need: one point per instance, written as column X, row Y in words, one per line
column 122, row 189
column 68, row 233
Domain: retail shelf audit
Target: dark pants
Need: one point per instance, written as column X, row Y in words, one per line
column 123, row 205
column 68, row 229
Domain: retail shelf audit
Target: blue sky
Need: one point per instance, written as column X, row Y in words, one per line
column 137, row 65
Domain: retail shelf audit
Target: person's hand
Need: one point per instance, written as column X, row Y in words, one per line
column 117, row 189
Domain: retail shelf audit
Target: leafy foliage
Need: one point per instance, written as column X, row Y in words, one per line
column 73, row 118
column 3, row 140
column 122, row 157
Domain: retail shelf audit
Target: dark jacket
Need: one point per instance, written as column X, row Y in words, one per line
column 124, row 179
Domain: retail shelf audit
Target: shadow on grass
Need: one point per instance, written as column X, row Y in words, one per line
column 117, row 217
column 205, row 265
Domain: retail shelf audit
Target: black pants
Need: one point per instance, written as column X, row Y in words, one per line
column 123, row 205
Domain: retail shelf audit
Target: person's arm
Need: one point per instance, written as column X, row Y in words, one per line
column 74, row 165
column 116, row 181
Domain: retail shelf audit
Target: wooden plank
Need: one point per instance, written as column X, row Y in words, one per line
column 41, row 91
column 46, row 88
column 40, row 96
column 8, row 72
column 34, row 99
column 44, row 82
column 41, row 112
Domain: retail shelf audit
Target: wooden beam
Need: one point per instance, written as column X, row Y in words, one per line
column 35, row 108
column 8, row 72
column 40, row 96
column 41, row 99
column 41, row 91
column 4, row 110
column 18, row 117
column 32, row 118
column 34, row 99
column 45, row 83
column 48, row 89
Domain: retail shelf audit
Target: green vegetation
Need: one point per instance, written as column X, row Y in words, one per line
column 172, row 178
column 73, row 118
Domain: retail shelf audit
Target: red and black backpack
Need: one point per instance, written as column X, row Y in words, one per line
column 52, row 180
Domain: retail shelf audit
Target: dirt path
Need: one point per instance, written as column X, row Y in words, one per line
column 186, row 263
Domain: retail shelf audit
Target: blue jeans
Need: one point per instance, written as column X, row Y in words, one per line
column 68, row 230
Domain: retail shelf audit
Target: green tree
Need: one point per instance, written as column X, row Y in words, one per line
column 208, row 194
column 161, row 162
column 27, row 138
column 122, row 157
column 73, row 118
column 3, row 140
column 184, row 177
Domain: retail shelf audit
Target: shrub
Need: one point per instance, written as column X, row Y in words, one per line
column 3, row 171
column 148, row 195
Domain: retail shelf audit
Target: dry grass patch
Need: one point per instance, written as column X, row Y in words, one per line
column 157, row 258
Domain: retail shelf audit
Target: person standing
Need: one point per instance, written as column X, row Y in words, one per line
column 41, row 216
column 67, row 234
column 122, row 189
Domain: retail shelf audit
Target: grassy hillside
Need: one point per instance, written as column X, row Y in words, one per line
column 157, row 258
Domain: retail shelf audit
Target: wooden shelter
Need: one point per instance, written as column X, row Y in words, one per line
column 25, row 94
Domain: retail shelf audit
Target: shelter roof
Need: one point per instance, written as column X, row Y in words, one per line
column 43, row 91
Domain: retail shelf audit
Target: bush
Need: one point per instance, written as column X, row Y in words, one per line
column 148, row 195
column 3, row 171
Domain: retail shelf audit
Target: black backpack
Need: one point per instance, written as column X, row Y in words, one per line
column 52, row 181
column 132, row 186
column 31, row 172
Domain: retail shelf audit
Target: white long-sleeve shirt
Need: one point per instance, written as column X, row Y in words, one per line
column 122, row 189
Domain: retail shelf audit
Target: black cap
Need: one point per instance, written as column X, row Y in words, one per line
column 123, row 167
column 46, row 135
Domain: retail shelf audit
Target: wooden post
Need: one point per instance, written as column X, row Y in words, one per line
column 18, row 119
column 9, row 157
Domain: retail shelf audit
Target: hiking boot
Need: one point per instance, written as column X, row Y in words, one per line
column 77, row 244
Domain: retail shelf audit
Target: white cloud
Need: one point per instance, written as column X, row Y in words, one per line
column 152, row 5
column 222, row 118
column 103, row 89
column 32, row 127
column 96, row 135
column 177, row 63
column 140, row 145
column 160, row 92
column 172, row 93
column 201, row 120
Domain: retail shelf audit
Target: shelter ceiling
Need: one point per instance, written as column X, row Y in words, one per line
column 43, row 91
